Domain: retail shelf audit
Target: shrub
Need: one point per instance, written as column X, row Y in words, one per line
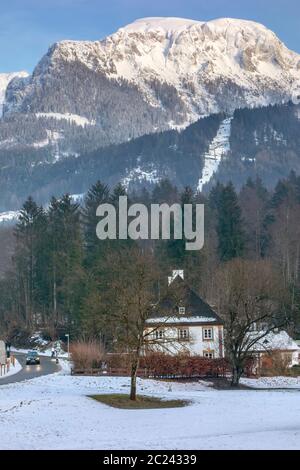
column 87, row 355
column 276, row 364
column 163, row 365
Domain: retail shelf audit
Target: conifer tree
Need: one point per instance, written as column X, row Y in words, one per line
column 98, row 194
column 66, row 257
column 229, row 226
column 27, row 233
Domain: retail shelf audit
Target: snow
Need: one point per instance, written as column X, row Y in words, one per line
column 248, row 159
column 55, row 412
column 218, row 148
column 52, row 139
column 78, row 198
column 176, row 50
column 7, row 143
column 5, row 79
column 41, row 144
column 182, row 319
column 9, row 216
column 141, row 175
column 73, row 118
column 155, row 23
column 12, row 371
column 197, row 59
column 273, row 382
column 274, row 342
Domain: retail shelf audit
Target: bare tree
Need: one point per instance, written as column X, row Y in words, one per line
column 249, row 298
column 132, row 296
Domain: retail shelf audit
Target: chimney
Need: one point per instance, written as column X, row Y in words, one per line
column 175, row 273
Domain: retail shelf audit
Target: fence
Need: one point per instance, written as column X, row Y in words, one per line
column 5, row 368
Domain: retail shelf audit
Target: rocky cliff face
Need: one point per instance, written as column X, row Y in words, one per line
column 160, row 73
column 5, row 80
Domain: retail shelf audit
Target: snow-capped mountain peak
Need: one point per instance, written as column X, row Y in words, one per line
column 223, row 47
column 211, row 66
column 163, row 23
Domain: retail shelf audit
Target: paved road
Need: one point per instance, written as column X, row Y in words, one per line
column 47, row 367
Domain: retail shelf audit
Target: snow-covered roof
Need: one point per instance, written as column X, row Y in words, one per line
column 274, row 342
column 181, row 319
column 181, row 295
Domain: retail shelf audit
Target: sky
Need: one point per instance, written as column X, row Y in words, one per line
column 29, row 27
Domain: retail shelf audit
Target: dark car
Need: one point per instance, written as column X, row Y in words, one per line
column 33, row 359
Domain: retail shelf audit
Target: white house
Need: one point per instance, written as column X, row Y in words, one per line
column 182, row 322
column 275, row 346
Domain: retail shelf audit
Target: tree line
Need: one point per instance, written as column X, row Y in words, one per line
column 64, row 279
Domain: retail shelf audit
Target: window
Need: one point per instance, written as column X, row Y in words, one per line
column 208, row 334
column 181, row 310
column 209, row 354
column 183, row 334
column 159, row 334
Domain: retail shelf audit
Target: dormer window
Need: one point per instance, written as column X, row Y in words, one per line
column 181, row 310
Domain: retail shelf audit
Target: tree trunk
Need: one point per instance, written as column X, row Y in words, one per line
column 236, row 375
column 54, row 319
column 134, row 368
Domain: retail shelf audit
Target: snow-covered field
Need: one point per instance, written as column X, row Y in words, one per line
column 273, row 382
column 54, row 412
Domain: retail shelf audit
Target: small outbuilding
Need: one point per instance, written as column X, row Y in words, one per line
column 275, row 350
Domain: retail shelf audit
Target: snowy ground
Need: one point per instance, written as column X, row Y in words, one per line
column 55, row 412
column 219, row 147
column 13, row 370
column 273, row 382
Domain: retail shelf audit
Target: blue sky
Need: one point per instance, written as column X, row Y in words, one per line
column 29, row 27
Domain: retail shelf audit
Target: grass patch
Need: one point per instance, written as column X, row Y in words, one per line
column 142, row 402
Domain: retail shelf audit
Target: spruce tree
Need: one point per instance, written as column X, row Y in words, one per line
column 98, row 194
column 28, row 232
column 230, row 225
column 65, row 264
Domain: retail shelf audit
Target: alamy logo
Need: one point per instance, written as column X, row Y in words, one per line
column 162, row 222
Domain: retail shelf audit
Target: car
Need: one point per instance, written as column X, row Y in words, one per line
column 33, row 359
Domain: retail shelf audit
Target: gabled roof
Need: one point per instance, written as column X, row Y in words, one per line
column 181, row 295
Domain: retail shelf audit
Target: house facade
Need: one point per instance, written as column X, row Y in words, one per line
column 277, row 349
column 183, row 323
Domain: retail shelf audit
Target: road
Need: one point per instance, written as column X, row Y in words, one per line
column 47, row 367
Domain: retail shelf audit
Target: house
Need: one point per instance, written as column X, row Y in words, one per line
column 182, row 322
column 275, row 350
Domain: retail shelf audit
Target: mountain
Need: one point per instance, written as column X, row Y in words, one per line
column 5, row 79
column 161, row 97
column 262, row 142
column 157, row 74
